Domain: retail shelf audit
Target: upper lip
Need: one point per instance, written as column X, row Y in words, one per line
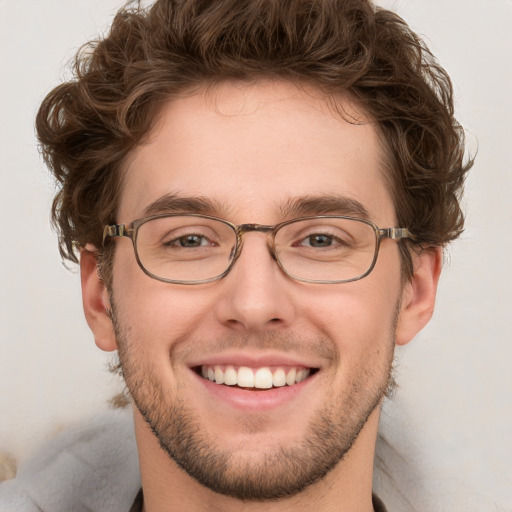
column 254, row 360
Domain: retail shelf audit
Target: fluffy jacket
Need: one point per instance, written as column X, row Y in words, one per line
column 92, row 467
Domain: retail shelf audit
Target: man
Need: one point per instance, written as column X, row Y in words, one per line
column 287, row 174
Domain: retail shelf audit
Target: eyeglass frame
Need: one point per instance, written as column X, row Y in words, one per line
column 130, row 231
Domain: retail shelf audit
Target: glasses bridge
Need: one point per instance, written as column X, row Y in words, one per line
column 247, row 228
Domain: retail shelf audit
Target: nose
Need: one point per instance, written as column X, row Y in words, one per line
column 256, row 294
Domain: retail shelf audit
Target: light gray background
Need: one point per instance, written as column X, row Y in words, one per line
column 450, row 423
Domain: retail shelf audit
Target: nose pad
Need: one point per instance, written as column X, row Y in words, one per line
column 236, row 250
column 254, row 297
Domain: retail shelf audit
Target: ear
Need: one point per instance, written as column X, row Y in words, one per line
column 95, row 301
column 419, row 294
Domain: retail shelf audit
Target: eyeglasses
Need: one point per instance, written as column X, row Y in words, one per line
column 194, row 249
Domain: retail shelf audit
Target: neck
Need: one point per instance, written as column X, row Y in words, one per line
column 167, row 488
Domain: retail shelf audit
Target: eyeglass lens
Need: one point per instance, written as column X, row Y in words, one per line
column 192, row 248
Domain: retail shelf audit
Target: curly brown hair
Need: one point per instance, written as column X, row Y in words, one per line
column 88, row 125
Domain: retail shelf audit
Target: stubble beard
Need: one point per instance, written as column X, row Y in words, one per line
column 282, row 472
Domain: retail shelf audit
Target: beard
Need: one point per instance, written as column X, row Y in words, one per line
column 270, row 474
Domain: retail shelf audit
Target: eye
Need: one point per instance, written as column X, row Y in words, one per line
column 190, row 241
column 318, row 240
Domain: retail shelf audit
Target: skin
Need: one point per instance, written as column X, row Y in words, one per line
column 250, row 149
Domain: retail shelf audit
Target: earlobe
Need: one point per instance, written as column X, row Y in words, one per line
column 419, row 294
column 95, row 301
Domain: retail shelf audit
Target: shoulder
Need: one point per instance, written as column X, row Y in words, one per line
column 90, row 467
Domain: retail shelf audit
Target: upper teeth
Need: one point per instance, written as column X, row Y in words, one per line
column 261, row 378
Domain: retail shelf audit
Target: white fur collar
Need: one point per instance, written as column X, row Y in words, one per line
column 92, row 467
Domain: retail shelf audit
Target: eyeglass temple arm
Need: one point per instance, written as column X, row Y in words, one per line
column 396, row 233
column 116, row 230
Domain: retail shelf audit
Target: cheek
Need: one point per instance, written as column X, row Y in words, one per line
column 151, row 312
column 358, row 317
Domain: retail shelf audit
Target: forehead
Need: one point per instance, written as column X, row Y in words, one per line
column 251, row 148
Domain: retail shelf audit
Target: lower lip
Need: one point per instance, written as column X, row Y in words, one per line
column 255, row 399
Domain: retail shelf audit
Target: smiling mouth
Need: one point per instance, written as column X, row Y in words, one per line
column 255, row 378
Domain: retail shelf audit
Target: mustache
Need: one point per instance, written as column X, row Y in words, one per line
column 320, row 347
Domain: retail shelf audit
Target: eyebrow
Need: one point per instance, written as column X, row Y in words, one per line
column 295, row 207
column 171, row 203
column 324, row 205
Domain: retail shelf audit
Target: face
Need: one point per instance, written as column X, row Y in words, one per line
column 250, row 152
